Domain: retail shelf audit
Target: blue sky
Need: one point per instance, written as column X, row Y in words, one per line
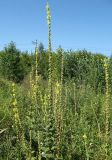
column 76, row 24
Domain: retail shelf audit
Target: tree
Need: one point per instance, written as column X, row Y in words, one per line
column 41, row 47
column 11, row 63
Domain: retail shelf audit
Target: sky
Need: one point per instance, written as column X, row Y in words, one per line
column 76, row 24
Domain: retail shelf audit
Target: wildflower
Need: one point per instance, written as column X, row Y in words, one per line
column 14, row 103
column 48, row 14
column 84, row 136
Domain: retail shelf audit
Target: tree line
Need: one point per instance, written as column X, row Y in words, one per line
column 80, row 66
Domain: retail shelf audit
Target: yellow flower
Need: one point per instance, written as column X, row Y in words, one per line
column 13, row 84
column 84, row 136
column 14, row 103
column 13, row 94
column 15, row 110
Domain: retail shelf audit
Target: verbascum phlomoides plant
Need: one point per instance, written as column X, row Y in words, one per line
column 35, row 111
column 19, row 131
column 50, row 54
column 106, row 108
column 49, row 141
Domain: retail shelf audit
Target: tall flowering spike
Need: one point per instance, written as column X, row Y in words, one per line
column 36, row 75
column 15, row 108
column 106, row 67
column 17, row 121
column 48, row 14
column 62, row 70
column 49, row 26
column 50, row 53
column 106, row 74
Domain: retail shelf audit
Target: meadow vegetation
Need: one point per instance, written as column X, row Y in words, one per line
column 55, row 105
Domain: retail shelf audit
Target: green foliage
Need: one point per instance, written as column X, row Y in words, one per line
column 73, row 125
column 14, row 66
column 62, row 109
